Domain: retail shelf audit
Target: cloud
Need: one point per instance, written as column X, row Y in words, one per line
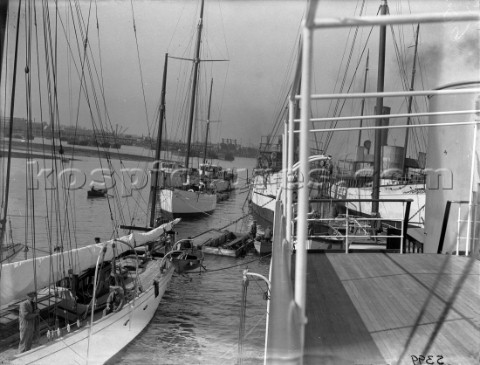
column 456, row 57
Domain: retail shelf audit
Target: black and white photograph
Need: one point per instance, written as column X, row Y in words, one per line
column 245, row 182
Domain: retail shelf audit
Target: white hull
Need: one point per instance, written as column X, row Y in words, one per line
column 221, row 185
column 182, row 202
column 264, row 191
column 17, row 278
column 394, row 211
column 109, row 335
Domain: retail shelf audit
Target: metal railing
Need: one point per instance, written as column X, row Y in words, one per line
column 470, row 239
column 349, row 220
column 303, row 80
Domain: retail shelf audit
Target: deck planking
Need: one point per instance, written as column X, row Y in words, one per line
column 380, row 308
column 329, row 308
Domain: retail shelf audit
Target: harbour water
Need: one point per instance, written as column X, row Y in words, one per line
column 198, row 320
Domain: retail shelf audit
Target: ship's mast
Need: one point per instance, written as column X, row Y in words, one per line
column 379, row 111
column 156, row 162
column 196, row 64
column 208, row 124
column 4, row 11
column 3, row 27
column 410, row 100
column 363, row 100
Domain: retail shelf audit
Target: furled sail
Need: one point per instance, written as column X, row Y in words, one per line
column 17, row 278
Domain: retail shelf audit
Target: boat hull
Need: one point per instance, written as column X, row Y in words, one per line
column 264, row 191
column 222, row 243
column 108, row 336
column 263, row 247
column 220, row 185
column 387, row 210
column 178, row 203
column 222, row 251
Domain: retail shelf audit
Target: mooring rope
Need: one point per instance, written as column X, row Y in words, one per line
column 230, row 267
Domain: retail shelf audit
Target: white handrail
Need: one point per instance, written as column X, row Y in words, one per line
column 392, row 94
column 368, row 21
column 453, row 124
column 393, row 116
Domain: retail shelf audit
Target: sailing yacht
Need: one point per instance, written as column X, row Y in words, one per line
column 379, row 306
column 185, row 194
column 218, row 179
column 72, row 283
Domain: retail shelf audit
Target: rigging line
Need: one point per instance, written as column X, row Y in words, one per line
column 175, row 28
column 40, row 103
column 287, row 85
column 285, row 88
column 102, row 84
column 349, row 88
column 234, row 266
column 82, row 62
column 68, row 195
column 100, row 76
column 223, row 29
column 338, row 102
column 29, row 167
column 5, row 90
column 330, row 135
column 12, row 106
column 86, row 62
column 52, row 95
column 54, row 52
column 140, row 67
column 282, row 102
column 5, row 101
column 405, row 85
column 341, row 63
column 55, row 110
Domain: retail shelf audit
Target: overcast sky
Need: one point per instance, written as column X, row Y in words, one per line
column 258, row 38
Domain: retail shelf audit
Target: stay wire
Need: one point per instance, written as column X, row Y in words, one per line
column 134, row 24
column 233, row 266
column 40, row 107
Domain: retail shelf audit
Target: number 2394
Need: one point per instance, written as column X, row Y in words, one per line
column 427, row 359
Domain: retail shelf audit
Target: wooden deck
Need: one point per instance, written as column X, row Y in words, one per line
column 380, row 308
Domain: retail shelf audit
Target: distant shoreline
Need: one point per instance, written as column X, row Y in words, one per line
column 42, row 151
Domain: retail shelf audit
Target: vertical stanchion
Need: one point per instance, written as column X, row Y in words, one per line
column 459, row 226
column 347, row 226
column 301, row 252
column 472, row 179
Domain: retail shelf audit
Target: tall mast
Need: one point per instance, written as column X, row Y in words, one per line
column 410, row 100
column 156, row 162
column 3, row 221
column 208, row 123
column 196, row 64
column 363, row 100
column 3, row 27
column 378, row 122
